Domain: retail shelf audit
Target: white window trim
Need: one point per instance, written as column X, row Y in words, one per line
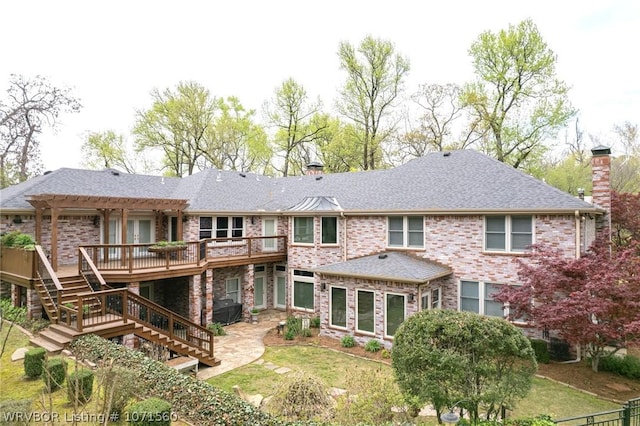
column 404, row 314
column 482, row 297
column 305, row 279
column 507, row 233
column 228, row 239
column 293, row 231
column 337, row 233
column 346, row 308
column 405, row 232
column 428, row 293
column 368, row 333
column 226, row 288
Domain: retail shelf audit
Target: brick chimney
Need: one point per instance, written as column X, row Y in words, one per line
column 314, row 168
column 601, row 178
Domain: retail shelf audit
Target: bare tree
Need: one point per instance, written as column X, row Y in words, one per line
column 31, row 105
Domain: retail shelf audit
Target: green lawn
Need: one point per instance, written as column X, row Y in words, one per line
column 546, row 397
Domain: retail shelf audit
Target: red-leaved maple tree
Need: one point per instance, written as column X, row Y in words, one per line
column 592, row 301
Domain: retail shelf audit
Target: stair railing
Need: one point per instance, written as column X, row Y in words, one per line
column 49, row 279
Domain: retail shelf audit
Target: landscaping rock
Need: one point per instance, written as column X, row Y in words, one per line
column 19, row 354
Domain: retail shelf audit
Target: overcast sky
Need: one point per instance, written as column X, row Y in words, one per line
column 113, row 53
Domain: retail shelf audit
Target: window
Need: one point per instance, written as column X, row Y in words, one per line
column 365, row 311
column 303, row 294
column 477, row 296
column 303, row 230
column 394, row 313
column 508, row 233
column 338, row 309
column 232, row 288
column 225, row 227
column 405, row 231
column 431, row 299
column 329, row 230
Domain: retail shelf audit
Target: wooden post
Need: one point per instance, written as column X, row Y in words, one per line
column 80, row 313
column 171, row 326
column 54, row 239
column 125, row 306
column 123, row 236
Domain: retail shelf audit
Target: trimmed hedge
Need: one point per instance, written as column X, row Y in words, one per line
column 541, row 349
column 53, row 374
column 150, row 412
column 80, row 386
column 33, row 362
column 193, row 399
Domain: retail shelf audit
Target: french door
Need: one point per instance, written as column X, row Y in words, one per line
column 139, row 231
column 280, row 287
column 259, row 285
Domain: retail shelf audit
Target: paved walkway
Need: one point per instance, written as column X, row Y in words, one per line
column 242, row 344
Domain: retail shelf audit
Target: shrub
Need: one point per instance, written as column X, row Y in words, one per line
column 290, row 334
column 385, row 353
column 371, row 399
column 150, row 412
column 16, row 408
column 18, row 316
column 217, row 329
column 33, row 361
column 372, row 345
column 627, row 366
column 315, row 322
column 294, row 325
column 306, row 332
column 18, row 239
column 53, row 374
column 347, row 342
column 80, row 386
column 541, row 350
column 302, row 397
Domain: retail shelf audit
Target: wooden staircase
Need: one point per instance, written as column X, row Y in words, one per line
column 75, row 309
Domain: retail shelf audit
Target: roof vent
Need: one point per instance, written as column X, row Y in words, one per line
column 115, row 172
column 318, row 177
column 243, row 175
column 46, row 173
column 219, row 177
column 446, row 154
column 382, row 256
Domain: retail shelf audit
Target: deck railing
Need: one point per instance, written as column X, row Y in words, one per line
column 48, row 277
column 130, row 257
column 122, row 306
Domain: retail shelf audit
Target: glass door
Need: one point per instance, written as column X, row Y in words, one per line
column 269, row 230
column 139, row 231
column 258, row 291
column 280, row 287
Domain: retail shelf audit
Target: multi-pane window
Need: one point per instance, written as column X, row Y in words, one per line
column 477, row 296
column 365, row 311
column 232, row 288
column 303, row 294
column 431, row 299
column 338, row 308
column 508, row 233
column 303, row 230
column 329, row 230
column 221, row 227
column 405, row 231
column 394, row 313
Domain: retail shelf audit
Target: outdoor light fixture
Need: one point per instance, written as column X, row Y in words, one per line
column 412, row 297
column 450, row 418
column 281, row 325
column 323, row 286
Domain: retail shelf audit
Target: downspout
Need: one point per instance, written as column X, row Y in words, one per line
column 344, row 236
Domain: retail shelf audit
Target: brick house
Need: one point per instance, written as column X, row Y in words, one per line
column 362, row 251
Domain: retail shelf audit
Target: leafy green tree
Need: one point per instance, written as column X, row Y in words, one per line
column 625, row 168
column 236, row 141
column 375, row 81
column 569, row 174
column 517, row 96
column 109, row 150
column 178, row 124
column 291, row 112
column 30, row 106
column 337, row 146
column 444, row 356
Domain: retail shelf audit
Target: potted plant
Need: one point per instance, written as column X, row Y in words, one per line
column 254, row 314
column 163, row 247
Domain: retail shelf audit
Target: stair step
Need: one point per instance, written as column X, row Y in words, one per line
column 46, row 344
column 54, row 337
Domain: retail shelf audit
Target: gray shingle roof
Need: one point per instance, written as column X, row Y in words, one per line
column 461, row 181
column 388, row 266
